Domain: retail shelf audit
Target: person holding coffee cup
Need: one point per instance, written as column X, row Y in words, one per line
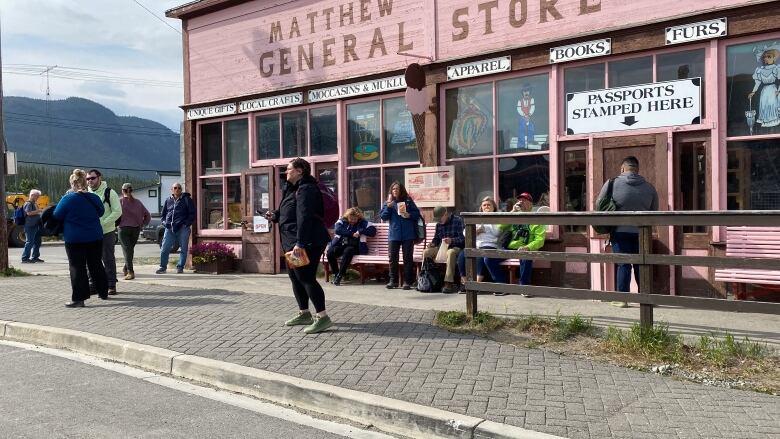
column 402, row 214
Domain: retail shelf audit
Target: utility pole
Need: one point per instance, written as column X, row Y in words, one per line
column 4, row 210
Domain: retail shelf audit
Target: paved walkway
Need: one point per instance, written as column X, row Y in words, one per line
column 396, row 352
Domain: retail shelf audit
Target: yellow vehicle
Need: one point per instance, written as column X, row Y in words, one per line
column 16, row 236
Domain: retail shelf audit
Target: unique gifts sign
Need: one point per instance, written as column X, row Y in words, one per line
column 212, row 111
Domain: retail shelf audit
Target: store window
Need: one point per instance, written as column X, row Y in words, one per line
column 400, row 141
column 220, row 179
column 363, row 133
column 585, row 78
column 364, row 187
column 530, row 173
column 632, row 71
column 523, row 114
column 693, row 179
column 473, row 182
column 753, row 175
column 469, row 121
column 297, row 133
column 752, row 71
column 574, row 185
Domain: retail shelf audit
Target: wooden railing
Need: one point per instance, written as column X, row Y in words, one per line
column 646, row 259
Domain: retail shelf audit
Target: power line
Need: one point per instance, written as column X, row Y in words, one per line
column 164, row 129
column 101, row 167
column 82, row 75
column 90, row 128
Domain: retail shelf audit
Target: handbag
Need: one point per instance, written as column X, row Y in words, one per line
column 430, row 279
column 294, row 261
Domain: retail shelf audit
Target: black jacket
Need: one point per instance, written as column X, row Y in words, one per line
column 300, row 215
column 178, row 213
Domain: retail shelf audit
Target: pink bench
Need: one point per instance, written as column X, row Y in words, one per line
column 751, row 242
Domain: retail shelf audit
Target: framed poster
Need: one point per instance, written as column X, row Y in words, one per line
column 431, row 186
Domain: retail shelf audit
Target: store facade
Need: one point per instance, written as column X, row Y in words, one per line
column 536, row 96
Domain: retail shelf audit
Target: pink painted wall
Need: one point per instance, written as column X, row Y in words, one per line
column 496, row 25
column 226, row 46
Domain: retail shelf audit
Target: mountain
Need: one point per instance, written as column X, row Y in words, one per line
column 81, row 132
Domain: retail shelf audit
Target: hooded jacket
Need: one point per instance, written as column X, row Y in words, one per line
column 631, row 192
column 178, row 213
column 112, row 206
column 401, row 229
column 345, row 230
column 300, row 215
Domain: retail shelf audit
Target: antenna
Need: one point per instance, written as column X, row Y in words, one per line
column 48, row 97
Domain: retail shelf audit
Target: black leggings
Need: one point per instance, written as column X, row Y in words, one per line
column 346, row 252
column 408, row 251
column 81, row 256
column 304, row 281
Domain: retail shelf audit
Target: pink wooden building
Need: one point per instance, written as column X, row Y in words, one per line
column 535, row 96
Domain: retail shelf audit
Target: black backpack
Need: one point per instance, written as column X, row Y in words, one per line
column 430, row 279
column 420, row 231
column 107, row 199
column 606, row 204
column 51, row 226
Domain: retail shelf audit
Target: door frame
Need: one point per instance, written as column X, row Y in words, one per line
column 249, row 214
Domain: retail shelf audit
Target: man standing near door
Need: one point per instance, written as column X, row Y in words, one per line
column 631, row 192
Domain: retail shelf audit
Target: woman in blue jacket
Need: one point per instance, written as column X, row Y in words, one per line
column 350, row 230
column 403, row 214
column 79, row 212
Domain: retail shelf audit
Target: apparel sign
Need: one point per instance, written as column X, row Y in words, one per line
column 588, row 49
column 479, row 68
column 702, row 30
column 641, row 106
column 357, row 89
column 213, row 111
column 270, row 102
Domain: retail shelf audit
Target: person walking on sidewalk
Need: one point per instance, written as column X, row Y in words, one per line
column 631, row 192
column 351, row 231
column 134, row 217
column 402, row 213
column 113, row 210
column 178, row 215
column 300, row 218
column 32, row 229
column 80, row 211
column 449, row 231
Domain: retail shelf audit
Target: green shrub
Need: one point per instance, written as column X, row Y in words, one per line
column 450, row 319
column 728, row 351
column 13, row 272
column 484, row 321
column 655, row 342
column 565, row 328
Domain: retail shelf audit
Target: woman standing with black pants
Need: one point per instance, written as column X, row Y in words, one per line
column 301, row 229
column 403, row 214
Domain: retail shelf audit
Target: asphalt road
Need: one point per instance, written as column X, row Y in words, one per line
column 45, row 395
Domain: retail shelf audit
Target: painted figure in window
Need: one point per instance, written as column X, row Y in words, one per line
column 766, row 76
column 525, row 108
column 468, row 126
column 403, row 131
column 368, row 148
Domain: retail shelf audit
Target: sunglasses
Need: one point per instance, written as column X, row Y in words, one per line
column 91, row 178
column 176, row 188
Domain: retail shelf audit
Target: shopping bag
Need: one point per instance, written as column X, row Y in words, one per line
column 441, row 256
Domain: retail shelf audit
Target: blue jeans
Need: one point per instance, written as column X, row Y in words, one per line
column 526, row 268
column 183, row 237
column 623, row 242
column 32, row 245
column 493, row 266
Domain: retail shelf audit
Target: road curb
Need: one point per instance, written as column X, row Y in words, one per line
column 388, row 414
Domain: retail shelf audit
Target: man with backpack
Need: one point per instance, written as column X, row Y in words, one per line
column 630, row 192
column 31, row 220
column 113, row 210
column 178, row 215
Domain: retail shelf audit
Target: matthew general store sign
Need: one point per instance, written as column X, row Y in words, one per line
column 260, row 48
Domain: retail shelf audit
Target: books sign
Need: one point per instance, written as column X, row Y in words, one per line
column 639, row 106
column 588, row 49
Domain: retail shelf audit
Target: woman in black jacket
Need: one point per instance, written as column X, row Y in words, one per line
column 351, row 231
column 301, row 229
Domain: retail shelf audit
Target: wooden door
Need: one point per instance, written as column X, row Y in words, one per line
column 651, row 150
column 259, row 248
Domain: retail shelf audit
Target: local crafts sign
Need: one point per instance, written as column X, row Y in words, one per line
column 640, row 106
column 270, row 102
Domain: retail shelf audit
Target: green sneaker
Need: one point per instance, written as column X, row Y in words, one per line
column 619, row 304
column 320, row 324
column 301, row 319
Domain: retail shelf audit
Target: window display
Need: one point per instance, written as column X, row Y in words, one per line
column 753, row 175
column 523, row 114
column 469, row 121
column 237, row 145
column 363, row 133
column 529, row 173
column 235, row 211
column 212, row 215
column 211, row 148
column 585, row 78
column 473, row 182
column 400, row 141
column 752, row 93
column 294, row 133
column 575, row 185
column 267, row 136
column 322, row 130
column 364, row 192
column 632, row 71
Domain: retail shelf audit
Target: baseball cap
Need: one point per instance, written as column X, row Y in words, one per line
column 527, row 196
column 439, row 211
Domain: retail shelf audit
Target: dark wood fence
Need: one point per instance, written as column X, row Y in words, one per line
column 646, row 259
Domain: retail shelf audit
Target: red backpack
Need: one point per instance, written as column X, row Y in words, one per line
column 330, row 205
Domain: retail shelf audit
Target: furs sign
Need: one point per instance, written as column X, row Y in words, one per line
column 640, row 106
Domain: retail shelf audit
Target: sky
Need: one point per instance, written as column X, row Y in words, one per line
column 121, row 55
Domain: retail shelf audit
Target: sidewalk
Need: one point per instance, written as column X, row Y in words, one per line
column 396, row 353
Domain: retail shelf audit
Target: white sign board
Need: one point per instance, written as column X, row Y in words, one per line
column 357, row 89
column 479, row 68
column 270, row 102
column 638, row 106
column 260, row 224
column 213, row 111
column 588, row 49
column 431, row 186
column 10, row 163
column 702, row 30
